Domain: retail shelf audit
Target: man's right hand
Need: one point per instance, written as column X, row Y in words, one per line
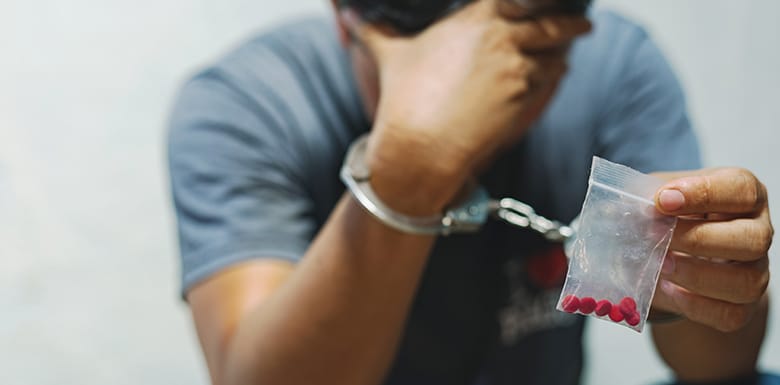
column 456, row 94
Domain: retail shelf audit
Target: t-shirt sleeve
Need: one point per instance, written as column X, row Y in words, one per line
column 236, row 187
column 645, row 124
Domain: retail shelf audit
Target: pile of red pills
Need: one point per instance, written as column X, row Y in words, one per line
column 625, row 310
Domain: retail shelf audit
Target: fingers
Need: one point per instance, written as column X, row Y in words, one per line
column 511, row 10
column 537, row 100
column 739, row 283
column 721, row 315
column 537, row 34
column 740, row 239
column 723, row 218
column 547, row 32
column 528, row 33
column 730, row 190
column 542, row 69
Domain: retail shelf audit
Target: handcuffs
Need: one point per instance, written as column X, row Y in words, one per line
column 467, row 217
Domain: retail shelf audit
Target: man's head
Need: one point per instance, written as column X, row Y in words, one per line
column 409, row 17
column 404, row 16
column 412, row 16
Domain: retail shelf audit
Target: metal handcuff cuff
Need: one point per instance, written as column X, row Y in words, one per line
column 468, row 217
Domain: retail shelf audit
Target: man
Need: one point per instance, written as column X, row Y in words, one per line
column 292, row 281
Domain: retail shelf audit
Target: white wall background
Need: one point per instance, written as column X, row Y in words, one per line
column 88, row 273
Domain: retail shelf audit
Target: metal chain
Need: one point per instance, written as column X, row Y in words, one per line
column 522, row 215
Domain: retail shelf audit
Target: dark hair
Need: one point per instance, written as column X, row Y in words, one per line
column 405, row 16
column 412, row 16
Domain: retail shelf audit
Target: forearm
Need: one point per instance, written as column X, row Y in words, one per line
column 699, row 353
column 339, row 318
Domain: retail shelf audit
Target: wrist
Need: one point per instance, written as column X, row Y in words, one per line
column 413, row 175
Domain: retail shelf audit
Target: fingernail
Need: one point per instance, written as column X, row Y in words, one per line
column 671, row 200
column 668, row 266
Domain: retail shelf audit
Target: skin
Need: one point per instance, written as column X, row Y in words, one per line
column 455, row 104
column 724, row 222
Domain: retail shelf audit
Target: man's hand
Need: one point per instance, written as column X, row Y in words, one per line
column 718, row 268
column 452, row 96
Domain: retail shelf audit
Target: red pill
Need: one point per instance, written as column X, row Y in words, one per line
column 628, row 302
column 570, row 303
column 615, row 314
column 633, row 319
column 627, row 306
column 587, row 305
column 603, row 307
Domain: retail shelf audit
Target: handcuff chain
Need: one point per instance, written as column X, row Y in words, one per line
column 521, row 215
column 468, row 216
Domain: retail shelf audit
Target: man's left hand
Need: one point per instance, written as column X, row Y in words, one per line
column 717, row 269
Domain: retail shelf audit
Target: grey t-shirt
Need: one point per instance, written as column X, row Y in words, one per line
column 257, row 139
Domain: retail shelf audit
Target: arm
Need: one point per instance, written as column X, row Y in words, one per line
column 336, row 317
column 700, row 353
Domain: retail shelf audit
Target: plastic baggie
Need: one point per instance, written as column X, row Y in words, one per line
column 619, row 247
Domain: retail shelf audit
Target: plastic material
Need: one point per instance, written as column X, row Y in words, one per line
column 619, row 247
